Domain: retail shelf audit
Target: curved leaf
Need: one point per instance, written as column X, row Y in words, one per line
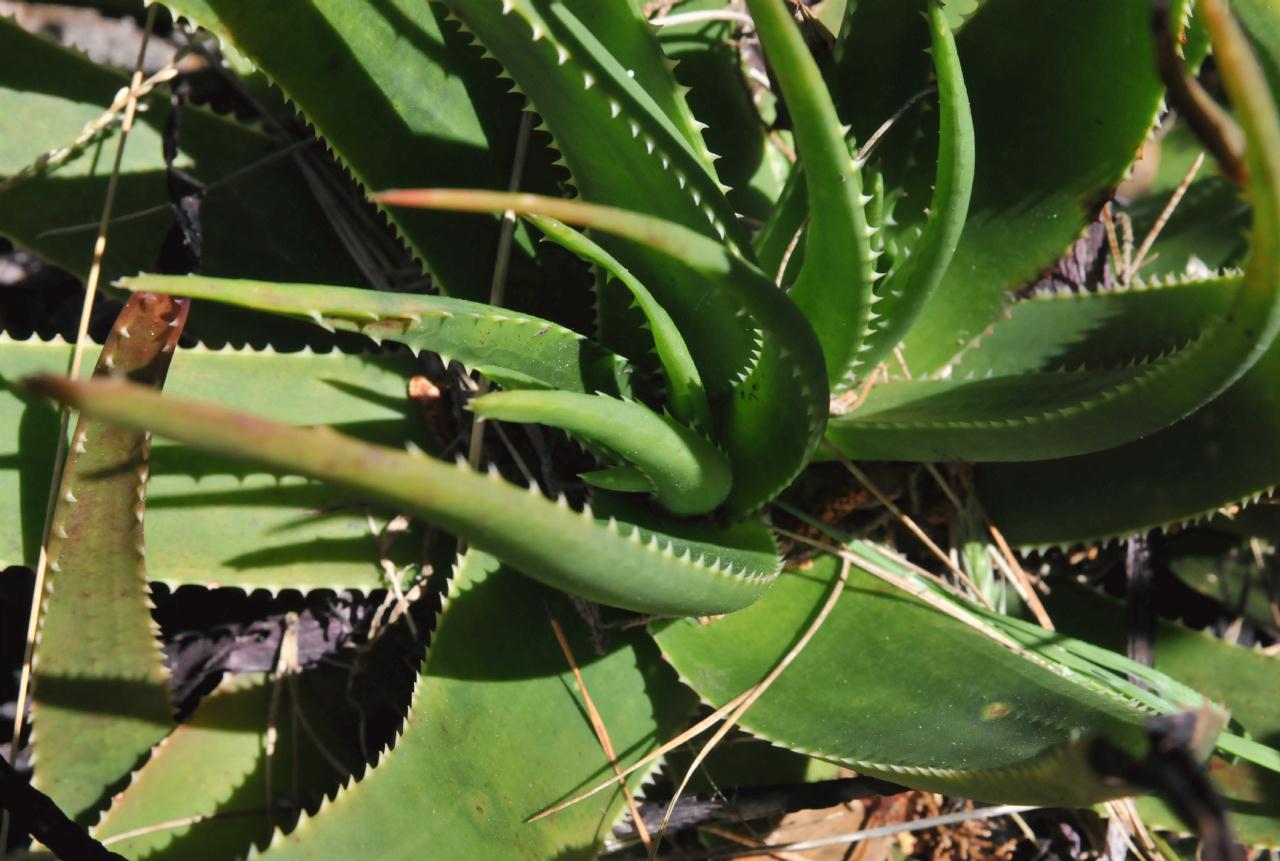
column 771, row 422
column 686, row 396
column 1037, row 184
column 509, row 348
column 688, row 474
column 592, row 106
column 907, row 288
column 715, row 571
column 833, row 289
column 1018, row 732
column 495, row 693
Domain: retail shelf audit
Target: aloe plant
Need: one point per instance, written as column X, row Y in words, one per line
column 864, row 319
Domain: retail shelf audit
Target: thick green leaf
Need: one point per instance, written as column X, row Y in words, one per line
column 1078, row 412
column 1038, row 183
column 254, row 529
column 679, row 569
column 592, row 107
column 686, row 396
column 833, row 289
column 495, row 699
column 771, row 421
column 400, row 99
column 908, row 287
column 510, row 348
column 953, row 711
column 688, row 474
column 264, row 225
column 99, row 697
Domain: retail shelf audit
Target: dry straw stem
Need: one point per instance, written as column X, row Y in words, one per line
column 754, row 694
column 602, row 734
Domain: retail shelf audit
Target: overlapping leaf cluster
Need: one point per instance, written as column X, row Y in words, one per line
column 856, row 296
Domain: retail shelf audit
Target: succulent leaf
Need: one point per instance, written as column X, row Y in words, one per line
column 98, row 675
column 1037, row 184
column 688, row 473
column 592, row 107
column 713, row 571
column 833, row 289
column 772, row 420
column 510, row 348
column 906, row 289
column 1019, row 734
column 495, row 693
column 255, row 529
column 686, row 396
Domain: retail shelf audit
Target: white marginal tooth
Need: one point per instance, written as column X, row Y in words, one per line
column 614, row 108
column 413, row 448
column 507, row 6
column 54, row 566
column 123, row 331
column 69, row 497
column 536, row 33
column 635, row 129
column 60, row 531
column 562, row 501
column 562, row 56
column 587, row 80
column 80, row 440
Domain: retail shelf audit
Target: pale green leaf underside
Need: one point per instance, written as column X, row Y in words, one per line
column 1011, row 730
column 496, row 699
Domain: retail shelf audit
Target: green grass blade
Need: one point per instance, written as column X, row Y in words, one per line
column 772, row 420
column 509, row 348
column 686, row 396
column 1016, row 731
column 712, row 570
column 903, row 294
column 834, row 286
column 1242, row 679
column 496, row 694
column 99, row 685
column 688, row 473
